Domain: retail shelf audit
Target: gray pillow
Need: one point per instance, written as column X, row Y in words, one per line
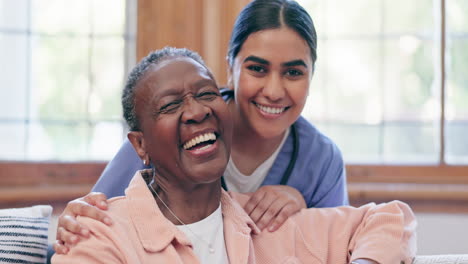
column 24, row 234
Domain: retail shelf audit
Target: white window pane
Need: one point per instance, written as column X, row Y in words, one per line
column 457, row 142
column 13, row 76
column 409, row 80
column 66, row 63
column 374, row 80
column 457, row 18
column 348, row 18
column 359, row 143
column 58, row 16
column 14, row 14
column 40, row 143
column 105, row 22
column 411, row 143
column 108, row 67
column 456, row 109
column 352, row 80
column 457, row 79
column 12, row 140
column 60, row 77
column 315, row 108
column 402, row 16
column 63, row 141
column 106, row 138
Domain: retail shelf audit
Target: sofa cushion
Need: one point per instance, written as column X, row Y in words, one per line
column 24, row 234
column 441, row 259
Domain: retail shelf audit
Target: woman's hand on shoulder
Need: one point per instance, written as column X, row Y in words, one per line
column 69, row 230
column 271, row 205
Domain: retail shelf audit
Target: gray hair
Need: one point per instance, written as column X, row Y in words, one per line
column 153, row 58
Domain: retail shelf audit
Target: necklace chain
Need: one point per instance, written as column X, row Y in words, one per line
column 210, row 247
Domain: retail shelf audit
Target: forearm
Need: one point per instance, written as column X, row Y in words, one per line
column 386, row 234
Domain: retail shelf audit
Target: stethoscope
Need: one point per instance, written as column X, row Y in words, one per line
column 227, row 94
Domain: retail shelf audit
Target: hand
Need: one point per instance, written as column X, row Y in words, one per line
column 69, row 229
column 271, row 205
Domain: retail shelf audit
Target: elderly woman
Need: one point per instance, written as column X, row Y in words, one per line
column 178, row 212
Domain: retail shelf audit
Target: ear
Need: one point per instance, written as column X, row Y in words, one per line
column 138, row 142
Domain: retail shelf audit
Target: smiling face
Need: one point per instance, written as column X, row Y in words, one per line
column 271, row 75
column 185, row 124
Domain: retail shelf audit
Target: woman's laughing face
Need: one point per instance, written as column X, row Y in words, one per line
column 186, row 127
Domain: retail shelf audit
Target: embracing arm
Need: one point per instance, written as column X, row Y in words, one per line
column 386, row 234
column 69, row 230
column 383, row 233
column 101, row 247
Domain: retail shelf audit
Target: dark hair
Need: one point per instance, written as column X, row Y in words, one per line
column 269, row 14
column 153, row 58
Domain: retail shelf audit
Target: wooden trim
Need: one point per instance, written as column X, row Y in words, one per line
column 425, row 188
column 408, row 191
column 49, row 173
column 168, row 23
column 201, row 25
column 30, row 183
column 408, row 174
column 48, row 194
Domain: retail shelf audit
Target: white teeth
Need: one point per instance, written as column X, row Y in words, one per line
column 271, row 110
column 199, row 139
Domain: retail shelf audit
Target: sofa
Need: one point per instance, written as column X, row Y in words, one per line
column 441, row 259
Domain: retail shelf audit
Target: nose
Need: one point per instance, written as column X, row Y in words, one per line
column 274, row 89
column 194, row 112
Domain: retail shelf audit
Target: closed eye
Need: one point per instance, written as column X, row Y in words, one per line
column 170, row 107
column 207, row 95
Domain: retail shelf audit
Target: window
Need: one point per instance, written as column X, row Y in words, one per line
column 63, row 67
column 380, row 90
column 390, row 89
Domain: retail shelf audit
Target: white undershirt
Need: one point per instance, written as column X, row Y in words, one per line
column 211, row 231
column 239, row 182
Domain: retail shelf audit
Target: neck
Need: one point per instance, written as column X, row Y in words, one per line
column 245, row 157
column 188, row 206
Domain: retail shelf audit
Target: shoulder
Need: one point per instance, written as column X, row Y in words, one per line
column 117, row 211
column 311, row 134
column 314, row 144
column 106, row 244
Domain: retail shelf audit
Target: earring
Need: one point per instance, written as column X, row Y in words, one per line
column 145, row 163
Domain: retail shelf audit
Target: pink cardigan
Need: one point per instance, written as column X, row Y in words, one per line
column 141, row 234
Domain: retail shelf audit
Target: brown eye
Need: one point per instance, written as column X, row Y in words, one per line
column 256, row 68
column 294, row 72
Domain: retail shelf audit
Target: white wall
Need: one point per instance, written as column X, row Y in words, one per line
column 442, row 233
